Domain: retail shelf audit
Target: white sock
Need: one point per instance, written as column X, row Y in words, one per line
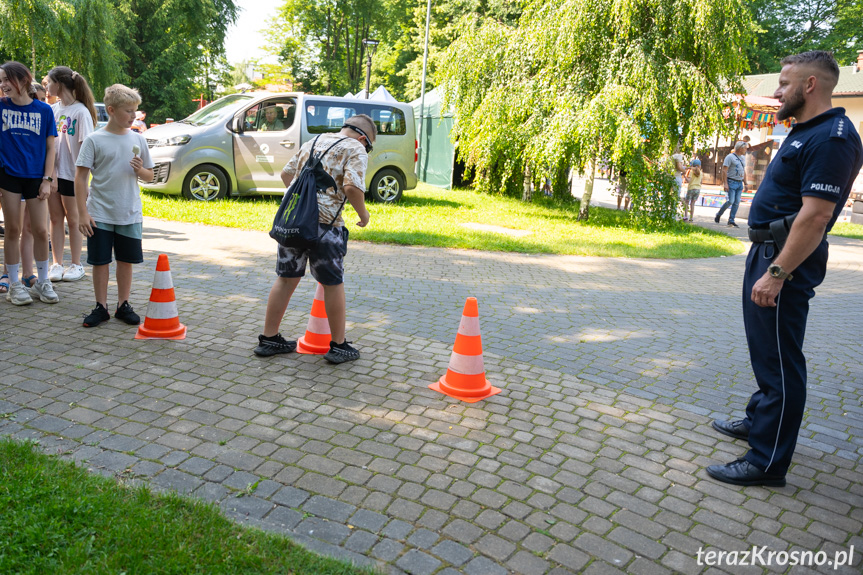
column 12, row 270
column 42, row 271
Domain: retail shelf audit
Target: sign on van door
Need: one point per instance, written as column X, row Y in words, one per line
column 270, row 139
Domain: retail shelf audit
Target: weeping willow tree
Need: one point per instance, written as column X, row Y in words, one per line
column 578, row 80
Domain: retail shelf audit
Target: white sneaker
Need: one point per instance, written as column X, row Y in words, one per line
column 55, row 273
column 44, row 291
column 18, row 294
column 73, row 273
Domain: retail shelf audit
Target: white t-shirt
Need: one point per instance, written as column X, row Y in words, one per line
column 115, row 197
column 74, row 124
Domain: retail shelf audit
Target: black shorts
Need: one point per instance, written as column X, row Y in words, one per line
column 27, row 187
column 326, row 260
column 66, row 187
column 100, row 245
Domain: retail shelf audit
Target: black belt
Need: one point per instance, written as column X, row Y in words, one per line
column 760, row 236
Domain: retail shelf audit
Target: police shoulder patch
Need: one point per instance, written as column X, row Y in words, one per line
column 840, row 128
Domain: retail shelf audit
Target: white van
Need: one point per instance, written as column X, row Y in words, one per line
column 239, row 144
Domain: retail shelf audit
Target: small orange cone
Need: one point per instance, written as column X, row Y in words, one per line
column 162, row 320
column 318, row 335
column 465, row 377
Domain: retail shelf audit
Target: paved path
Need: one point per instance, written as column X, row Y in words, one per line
column 590, row 461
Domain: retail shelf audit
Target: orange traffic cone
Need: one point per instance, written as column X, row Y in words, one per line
column 318, row 335
column 162, row 320
column 465, row 377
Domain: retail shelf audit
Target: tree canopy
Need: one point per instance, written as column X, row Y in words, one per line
column 170, row 50
column 784, row 27
column 629, row 80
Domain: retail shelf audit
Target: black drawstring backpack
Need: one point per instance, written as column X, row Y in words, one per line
column 296, row 221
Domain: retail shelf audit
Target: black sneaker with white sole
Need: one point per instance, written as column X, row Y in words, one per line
column 127, row 314
column 268, row 346
column 341, row 352
column 97, row 316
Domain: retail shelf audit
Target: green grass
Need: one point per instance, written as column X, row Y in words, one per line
column 847, row 230
column 429, row 216
column 58, row 518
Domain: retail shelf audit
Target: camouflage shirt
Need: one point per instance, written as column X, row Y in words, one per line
column 346, row 163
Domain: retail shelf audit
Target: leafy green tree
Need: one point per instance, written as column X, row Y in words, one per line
column 792, row 26
column 629, row 81
column 76, row 33
column 169, row 44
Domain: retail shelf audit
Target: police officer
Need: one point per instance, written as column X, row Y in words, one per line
column 802, row 194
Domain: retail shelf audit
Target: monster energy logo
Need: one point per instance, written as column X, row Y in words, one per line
column 292, row 204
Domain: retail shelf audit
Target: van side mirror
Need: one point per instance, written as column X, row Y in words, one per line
column 238, row 125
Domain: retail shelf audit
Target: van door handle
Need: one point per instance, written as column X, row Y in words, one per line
column 286, row 144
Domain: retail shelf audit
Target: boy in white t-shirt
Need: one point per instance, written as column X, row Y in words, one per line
column 110, row 215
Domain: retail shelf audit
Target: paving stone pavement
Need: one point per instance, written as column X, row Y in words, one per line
column 590, row 460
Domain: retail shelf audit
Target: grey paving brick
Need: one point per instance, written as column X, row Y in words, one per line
column 387, row 550
column 329, row 508
column 416, row 562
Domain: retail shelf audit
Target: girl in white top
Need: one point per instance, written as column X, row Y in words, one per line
column 75, row 114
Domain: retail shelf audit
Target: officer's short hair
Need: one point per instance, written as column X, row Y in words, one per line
column 364, row 123
column 820, row 59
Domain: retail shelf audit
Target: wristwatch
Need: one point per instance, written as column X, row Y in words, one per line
column 778, row 273
column 48, row 178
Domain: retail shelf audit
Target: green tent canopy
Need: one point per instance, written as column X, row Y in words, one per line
column 437, row 153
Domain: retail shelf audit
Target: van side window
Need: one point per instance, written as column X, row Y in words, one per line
column 329, row 117
column 271, row 115
column 326, row 118
column 390, row 121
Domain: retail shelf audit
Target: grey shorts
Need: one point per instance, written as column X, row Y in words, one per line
column 326, row 260
column 693, row 194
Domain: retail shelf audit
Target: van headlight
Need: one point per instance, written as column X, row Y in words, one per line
column 173, row 141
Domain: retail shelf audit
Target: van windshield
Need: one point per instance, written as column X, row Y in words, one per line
column 211, row 113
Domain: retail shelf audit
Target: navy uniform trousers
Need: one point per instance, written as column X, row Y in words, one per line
column 775, row 338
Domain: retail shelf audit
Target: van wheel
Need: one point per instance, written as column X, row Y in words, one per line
column 387, row 187
column 206, row 183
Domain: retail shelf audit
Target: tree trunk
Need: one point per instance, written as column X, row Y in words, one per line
column 526, row 191
column 584, row 209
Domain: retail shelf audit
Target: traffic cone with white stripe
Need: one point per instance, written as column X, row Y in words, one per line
column 162, row 320
column 465, row 377
column 318, row 335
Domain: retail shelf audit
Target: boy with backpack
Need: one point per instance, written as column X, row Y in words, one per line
column 345, row 160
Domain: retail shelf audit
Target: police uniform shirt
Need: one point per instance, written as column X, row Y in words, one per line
column 821, row 158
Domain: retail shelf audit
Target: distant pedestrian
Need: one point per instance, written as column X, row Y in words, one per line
column 620, row 190
column 345, row 164
column 693, row 189
column 109, row 206
column 679, row 168
column 799, row 200
column 140, row 125
column 733, row 181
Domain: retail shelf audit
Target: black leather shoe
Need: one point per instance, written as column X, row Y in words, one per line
column 716, row 219
column 741, row 472
column 736, row 429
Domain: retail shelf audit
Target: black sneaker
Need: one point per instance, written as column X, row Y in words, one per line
column 127, row 314
column 341, row 352
column 268, row 346
column 732, row 225
column 97, row 316
column 716, row 219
